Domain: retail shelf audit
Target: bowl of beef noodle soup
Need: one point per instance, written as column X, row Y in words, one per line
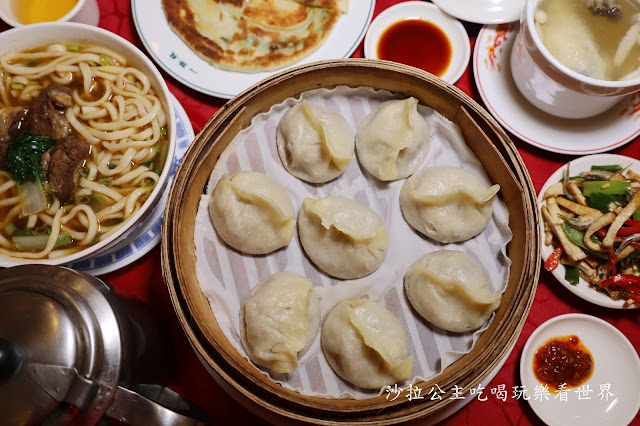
column 87, row 135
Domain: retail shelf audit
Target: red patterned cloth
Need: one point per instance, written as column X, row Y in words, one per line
column 142, row 281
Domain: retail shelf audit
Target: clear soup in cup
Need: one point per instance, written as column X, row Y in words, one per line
column 595, row 60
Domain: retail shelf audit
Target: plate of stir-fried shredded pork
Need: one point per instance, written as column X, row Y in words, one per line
column 591, row 217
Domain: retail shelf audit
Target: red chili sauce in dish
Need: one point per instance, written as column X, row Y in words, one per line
column 563, row 361
column 418, row 43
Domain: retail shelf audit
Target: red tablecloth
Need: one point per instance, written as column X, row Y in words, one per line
column 142, row 281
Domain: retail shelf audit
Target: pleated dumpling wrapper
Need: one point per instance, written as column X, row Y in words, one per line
column 451, row 290
column 315, row 143
column 447, row 204
column 393, row 141
column 365, row 344
column 279, row 320
column 252, row 212
column 343, row 237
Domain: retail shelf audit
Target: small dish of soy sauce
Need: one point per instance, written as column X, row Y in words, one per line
column 419, row 34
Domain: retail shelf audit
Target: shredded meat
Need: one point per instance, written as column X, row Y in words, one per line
column 62, row 166
column 46, row 114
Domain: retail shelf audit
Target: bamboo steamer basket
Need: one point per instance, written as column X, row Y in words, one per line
column 236, row 374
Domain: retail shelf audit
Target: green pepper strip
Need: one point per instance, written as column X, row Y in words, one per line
column 571, row 274
column 611, row 187
column 608, row 168
column 603, row 202
column 577, row 237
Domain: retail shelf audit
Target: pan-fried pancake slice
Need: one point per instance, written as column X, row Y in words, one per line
column 251, row 35
column 277, row 14
column 341, row 5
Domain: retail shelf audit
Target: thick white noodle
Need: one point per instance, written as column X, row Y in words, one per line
column 9, row 201
column 55, row 205
column 12, row 213
column 76, row 235
column 51, row 242
column 123, row 164
column 131, row 176
column 92, row 221
column 100, row 189
column 7, row 186
column 132, row 200
column 146, row 175
column 4, row 242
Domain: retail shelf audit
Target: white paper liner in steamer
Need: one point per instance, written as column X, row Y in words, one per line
column 226, row 276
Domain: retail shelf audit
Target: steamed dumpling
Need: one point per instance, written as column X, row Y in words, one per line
column 447, row 204
column 314, row 142
column 252, row 212
column 342, row 237
column 393, row 140
column 279, row 320
column 451, row 290
column 365, row 344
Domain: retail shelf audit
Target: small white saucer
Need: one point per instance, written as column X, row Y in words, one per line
column 616, row 369
column 455, row 31
column 583, row 164
column 492, row 71
column 147, row 235
column 483, row 11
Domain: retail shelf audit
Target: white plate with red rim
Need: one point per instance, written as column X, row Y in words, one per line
column 611, row 396
column 483, row 11
column 583, row 164
column 451, row 27
column 492, row 72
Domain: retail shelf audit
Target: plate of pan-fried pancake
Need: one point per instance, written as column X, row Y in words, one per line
column 222, row 47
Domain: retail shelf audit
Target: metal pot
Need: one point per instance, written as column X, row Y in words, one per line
column 67, row 350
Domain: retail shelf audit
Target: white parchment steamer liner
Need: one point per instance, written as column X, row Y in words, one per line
column 225, row 275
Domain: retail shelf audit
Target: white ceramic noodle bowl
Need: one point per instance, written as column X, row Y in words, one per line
column 31, row 36
column 553, row 87
column 85, row 11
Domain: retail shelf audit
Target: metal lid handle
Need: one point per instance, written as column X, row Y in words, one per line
column 139, row 409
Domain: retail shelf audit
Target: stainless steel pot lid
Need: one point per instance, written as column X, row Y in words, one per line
column 60, row 345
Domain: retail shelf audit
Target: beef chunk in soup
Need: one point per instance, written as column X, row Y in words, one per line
column 6, row 118
column 46, row 114
column 62, row 166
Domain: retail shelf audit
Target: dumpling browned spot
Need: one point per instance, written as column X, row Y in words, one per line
column 254, row 35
